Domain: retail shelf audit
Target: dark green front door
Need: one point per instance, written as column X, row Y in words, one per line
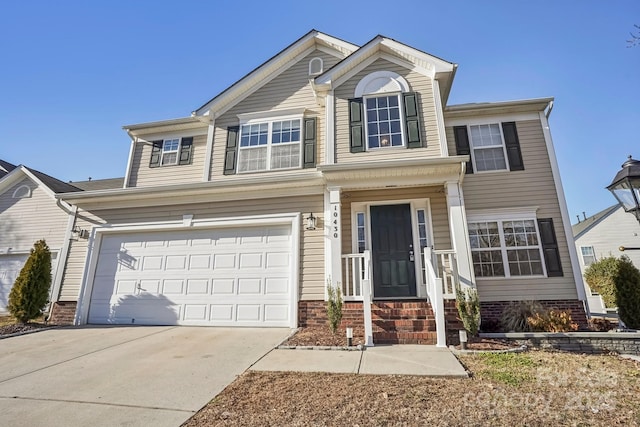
column 394, row 273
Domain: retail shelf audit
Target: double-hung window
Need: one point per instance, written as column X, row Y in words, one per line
column 487, row 148
column 269, row 145
column 170, row 149
column 588, row 255
column 384, row 123
column 506, row 248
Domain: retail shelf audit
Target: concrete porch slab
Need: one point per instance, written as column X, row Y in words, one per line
column 408, row 359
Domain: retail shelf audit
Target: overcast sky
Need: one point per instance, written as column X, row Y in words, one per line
column 74, row 72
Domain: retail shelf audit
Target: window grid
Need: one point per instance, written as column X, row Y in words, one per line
column 488, row 147
column 170, row 151
column 588, row 255
column 361, row 230
column 270, row 145
column 384, row 123
column 505, row 248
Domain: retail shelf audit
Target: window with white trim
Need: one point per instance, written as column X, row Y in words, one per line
column 315, row 66
column 588, row 255
column 22, row 192
column 384, row 121
column 506, row 248
column 361, row 232
column 270, row 145
column 487, row 147
column 170, row 150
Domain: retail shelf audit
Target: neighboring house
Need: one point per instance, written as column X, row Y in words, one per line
column 29, row 211
column 600, row 236
column 215, row 223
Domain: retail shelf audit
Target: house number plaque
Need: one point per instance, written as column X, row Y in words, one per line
column 335, row 221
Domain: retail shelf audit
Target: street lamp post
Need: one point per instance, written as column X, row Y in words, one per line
column 626, row 187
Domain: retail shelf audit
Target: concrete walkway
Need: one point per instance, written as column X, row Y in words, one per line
column 379, row 360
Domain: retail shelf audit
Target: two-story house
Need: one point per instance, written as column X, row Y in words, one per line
column 328, row 164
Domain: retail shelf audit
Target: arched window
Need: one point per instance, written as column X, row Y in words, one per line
column 24, row 191
column 315, row 66
column 389, row 111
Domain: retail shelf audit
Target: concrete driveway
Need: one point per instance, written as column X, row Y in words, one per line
column 122, row 376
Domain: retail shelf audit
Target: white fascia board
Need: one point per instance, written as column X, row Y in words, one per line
column 490, row 118
column 564, row 211
column 396, row 163
column 162, row 123
column 11, row 179
column 439, row 65
column 259, row 76
column 271, row 114
column 522, row 105
column 127, row 174
column 332, row 40
column 328, row 75
column 148, row 138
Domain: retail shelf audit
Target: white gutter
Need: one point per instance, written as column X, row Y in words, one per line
column 206, row 174
column 62, row 259
column 127, row 174
column 564, row 211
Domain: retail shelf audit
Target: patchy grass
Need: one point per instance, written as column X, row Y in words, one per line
column 534, row 389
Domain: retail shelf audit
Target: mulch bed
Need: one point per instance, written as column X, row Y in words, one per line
column 480, row 344
column 323, row 337
column 18, row 328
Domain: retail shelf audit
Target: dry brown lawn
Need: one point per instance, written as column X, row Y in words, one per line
column 533, row 389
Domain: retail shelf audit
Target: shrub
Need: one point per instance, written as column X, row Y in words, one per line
column 552, row 321
column 30, row 292
column 600, row 325
column 515, row 316
column 600, row 276
column 468, row 306
column 627, row 282
column 334, row 307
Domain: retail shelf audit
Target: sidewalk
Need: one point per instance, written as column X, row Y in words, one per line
column 379, row 360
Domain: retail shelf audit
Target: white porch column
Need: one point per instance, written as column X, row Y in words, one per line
column 460, row 233
column 333, row 233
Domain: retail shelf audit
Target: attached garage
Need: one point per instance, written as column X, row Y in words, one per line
column 239, row 276
column 10, row 266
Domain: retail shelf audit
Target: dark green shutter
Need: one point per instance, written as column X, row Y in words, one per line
column 309, row 144
column 412, row 119
column 231, row 154
column 186, row 146
column 513, row 146
column 550, row 247
column 461, row 136
column 156, row 154
column 356, row 125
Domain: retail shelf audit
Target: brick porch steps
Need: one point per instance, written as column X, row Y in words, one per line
column 403, row 322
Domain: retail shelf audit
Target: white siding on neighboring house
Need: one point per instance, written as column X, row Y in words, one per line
column 311, row 245
column 533, row 186
column 144, row 176
column 617, row 229
column 429, row 126
column 291, row 89
column 23, row 221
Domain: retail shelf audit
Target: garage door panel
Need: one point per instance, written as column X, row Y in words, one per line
column 205, row 277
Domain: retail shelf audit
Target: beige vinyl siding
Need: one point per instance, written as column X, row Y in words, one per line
column 26, row 220
column 437, row 200
column 617, row 229
column 144, row 176
column 534, row 186
column 311, row 243
column 291, row 89
column 429, row 126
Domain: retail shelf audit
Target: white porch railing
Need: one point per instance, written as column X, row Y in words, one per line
column 356, row 286
column 446, row 268
column 434, row 290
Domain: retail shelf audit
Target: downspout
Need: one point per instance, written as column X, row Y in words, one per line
column 62, row 256
column 127, row 174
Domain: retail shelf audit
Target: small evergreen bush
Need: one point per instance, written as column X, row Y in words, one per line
column 334, row 307
column 30, row 292
column 468, row 305
column 628, row 293
column 600, row 276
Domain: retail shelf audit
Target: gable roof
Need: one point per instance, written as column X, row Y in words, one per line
column 99, row 184
column 5, row 167
column 273, row 67
column 425, row 63
column 49, row 184
column 583, row 226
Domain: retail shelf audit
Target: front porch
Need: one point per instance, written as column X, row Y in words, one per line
column 410, row 320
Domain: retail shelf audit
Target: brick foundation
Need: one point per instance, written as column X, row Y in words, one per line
column 63, row 313
column 492, row 311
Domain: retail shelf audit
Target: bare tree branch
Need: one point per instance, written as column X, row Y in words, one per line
column 635, row 38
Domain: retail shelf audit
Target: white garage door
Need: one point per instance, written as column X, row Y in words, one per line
column 10, row 266
column 218, row 277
